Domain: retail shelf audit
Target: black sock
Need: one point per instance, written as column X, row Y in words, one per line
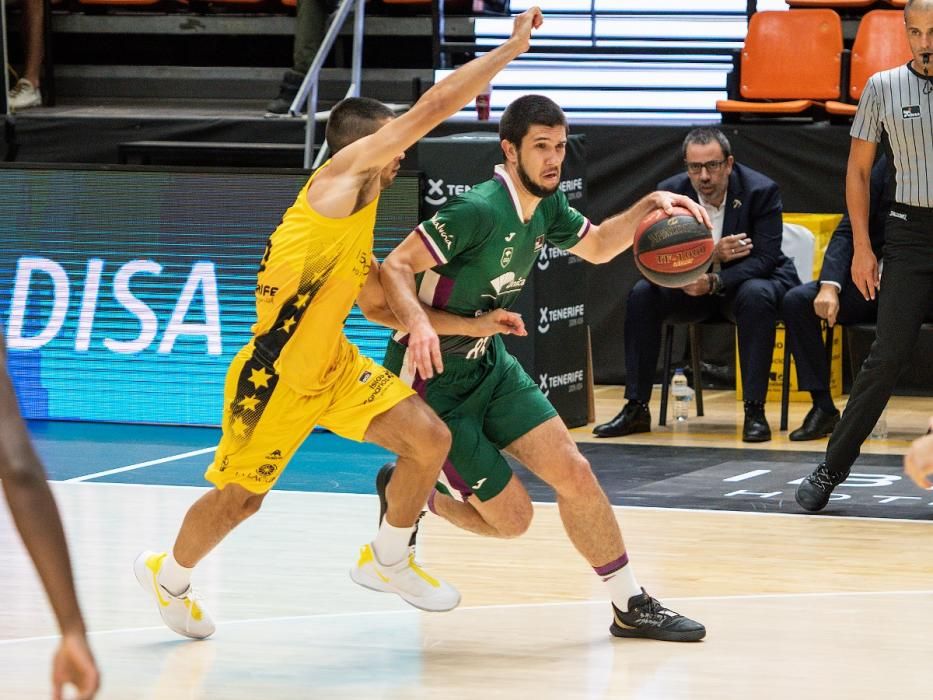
column 823, row 401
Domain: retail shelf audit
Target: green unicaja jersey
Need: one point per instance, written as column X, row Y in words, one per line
column 485, row 252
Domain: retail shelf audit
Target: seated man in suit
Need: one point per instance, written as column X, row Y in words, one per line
column 745, row 284
column 834, row 298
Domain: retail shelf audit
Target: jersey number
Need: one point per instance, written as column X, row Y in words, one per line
column 479, row 349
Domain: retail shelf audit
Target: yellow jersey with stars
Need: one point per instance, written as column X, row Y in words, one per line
column 308, row 280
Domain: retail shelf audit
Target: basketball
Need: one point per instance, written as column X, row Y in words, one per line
column 672, row 251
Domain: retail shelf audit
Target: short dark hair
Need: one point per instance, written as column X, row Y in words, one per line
column 353, row 118
column 707, row 134
column 526, row 111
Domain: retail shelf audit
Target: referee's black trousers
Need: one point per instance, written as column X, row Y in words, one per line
column 905, row 298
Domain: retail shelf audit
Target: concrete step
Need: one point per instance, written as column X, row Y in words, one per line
column 218, row 82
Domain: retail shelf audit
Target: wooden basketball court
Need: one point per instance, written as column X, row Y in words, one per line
column 795, row 605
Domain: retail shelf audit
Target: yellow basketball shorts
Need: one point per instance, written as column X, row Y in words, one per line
column 265, row 420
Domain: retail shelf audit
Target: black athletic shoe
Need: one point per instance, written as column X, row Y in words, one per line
column 648, row 619
column 814, row 491
column 382, row 482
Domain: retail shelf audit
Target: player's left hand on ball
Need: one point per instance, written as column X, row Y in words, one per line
column 668, row 200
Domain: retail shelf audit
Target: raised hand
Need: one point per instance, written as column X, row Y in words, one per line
column 524, row 23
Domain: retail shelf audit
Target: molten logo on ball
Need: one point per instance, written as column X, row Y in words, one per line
column 672, row 251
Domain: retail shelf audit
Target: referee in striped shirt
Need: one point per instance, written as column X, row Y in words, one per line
column 898, row 103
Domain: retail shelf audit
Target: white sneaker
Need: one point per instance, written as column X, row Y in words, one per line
column 415, row 585
column 183, row 613
column 24, row 95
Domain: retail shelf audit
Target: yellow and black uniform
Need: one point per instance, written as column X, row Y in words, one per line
column 299, row 370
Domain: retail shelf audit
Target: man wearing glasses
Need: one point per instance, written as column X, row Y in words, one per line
column 745, row 283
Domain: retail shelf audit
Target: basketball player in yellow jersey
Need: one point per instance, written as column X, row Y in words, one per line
column 299, row 370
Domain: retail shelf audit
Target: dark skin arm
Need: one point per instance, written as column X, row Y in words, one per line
column 36, row 517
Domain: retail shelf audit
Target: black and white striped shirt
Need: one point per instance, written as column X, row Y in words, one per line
column 900, row 102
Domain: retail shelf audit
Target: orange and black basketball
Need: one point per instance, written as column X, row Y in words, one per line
column 672, row 251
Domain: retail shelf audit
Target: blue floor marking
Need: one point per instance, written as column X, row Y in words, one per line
column 325, row 462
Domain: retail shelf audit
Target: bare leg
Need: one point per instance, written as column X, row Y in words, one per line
column 507, row 515
column 588, row 519
column 33, row 11
column 412, row 431
column 211, row 518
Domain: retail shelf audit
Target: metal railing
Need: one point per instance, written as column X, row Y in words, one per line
column 596, row 42
column 5, row 83
column 308, row 92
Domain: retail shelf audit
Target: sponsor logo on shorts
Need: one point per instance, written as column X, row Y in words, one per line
column 267, row 470
column 275, row 454
column 224, row 463
column 365, row 376
column 378, row 385
column 898, row 215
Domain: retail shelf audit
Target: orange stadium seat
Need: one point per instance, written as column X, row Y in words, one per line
column 831, row 3
column 880, row 43
column 790, row 62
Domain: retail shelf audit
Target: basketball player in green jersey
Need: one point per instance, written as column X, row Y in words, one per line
column 472, row 258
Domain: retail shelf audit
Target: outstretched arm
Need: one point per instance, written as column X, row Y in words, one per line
column 36, row 517
column 443, row 100
column 616, row 233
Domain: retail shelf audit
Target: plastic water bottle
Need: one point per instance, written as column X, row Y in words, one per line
column 880, row 431
column 682, row 395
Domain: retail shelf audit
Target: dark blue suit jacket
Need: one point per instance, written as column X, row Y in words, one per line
column 837, row 260
column 753, row 207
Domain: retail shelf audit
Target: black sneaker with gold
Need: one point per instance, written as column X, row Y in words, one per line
column 382, row 482
column 648, row 619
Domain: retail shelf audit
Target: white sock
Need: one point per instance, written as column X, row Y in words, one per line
column 174, row 577
column 391, row 543
column 622, row 586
